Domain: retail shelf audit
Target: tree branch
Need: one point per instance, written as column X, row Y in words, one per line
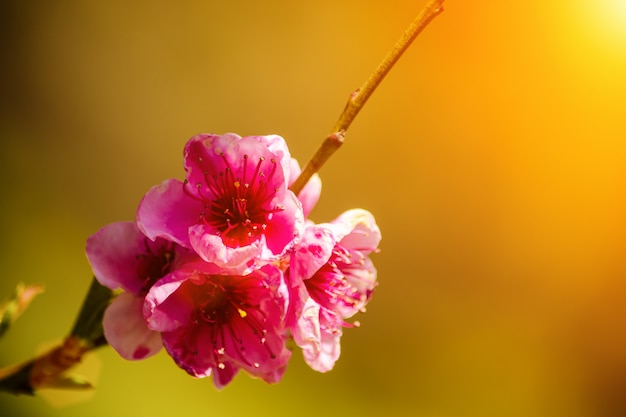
column 359, row 97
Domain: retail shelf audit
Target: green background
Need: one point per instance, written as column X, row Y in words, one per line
column 492, row 157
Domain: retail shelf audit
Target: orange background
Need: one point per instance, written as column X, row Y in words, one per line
column 492, row 156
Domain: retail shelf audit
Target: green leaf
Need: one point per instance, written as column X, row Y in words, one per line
column 11, row 309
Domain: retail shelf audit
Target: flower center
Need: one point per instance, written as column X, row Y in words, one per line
column 241, row 206
column 330, row 286
column 154, row 263
column 220, row 304
column 236, row 324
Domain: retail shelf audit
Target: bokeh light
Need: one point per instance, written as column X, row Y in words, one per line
column 493, row 157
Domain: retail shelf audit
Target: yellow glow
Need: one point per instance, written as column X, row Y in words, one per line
column 617, row 10
column 607, row 19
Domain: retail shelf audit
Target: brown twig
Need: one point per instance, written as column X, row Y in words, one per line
column 359, row 97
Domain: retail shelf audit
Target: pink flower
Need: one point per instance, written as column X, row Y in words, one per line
column 217, row 324
column 331, row 279
column 123, row 258
column 234, row 207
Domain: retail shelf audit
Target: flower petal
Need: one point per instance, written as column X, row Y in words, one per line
column 191, row 350
column 223, row 376
column 127, row 332
column 211, row 248
column 285, row 225
column 312, row 252
column 166, row 211
column 166, row 309
column 310, row 194
column 318, row 333
column 277, row 145
column 357, row 229
column 112, row 253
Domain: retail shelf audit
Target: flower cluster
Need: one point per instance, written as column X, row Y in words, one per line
column 224, row 268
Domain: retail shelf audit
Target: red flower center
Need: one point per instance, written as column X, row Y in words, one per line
column 235, row 322
column 154, row 263
column 241, row 206
column 330, row 286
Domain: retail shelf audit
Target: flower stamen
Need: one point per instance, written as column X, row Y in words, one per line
column 239, row 207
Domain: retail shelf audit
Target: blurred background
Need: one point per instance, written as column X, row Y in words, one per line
column 492, row 157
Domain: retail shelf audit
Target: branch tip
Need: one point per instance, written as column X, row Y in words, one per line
column 359, row 97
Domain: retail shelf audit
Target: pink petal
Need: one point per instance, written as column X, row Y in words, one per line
column 310, row 194
column 306, row 333
column 284, row 226
column 318, row 337
column 313, row 251
column 166, row 309
column 166, row 211
column 127, row 332
column 223, row 376
column 112, row 253
column 203, row 154
column 357, row 229
column 277, row 146
column 211, row 248
column 330, row 343
column 190, row 349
